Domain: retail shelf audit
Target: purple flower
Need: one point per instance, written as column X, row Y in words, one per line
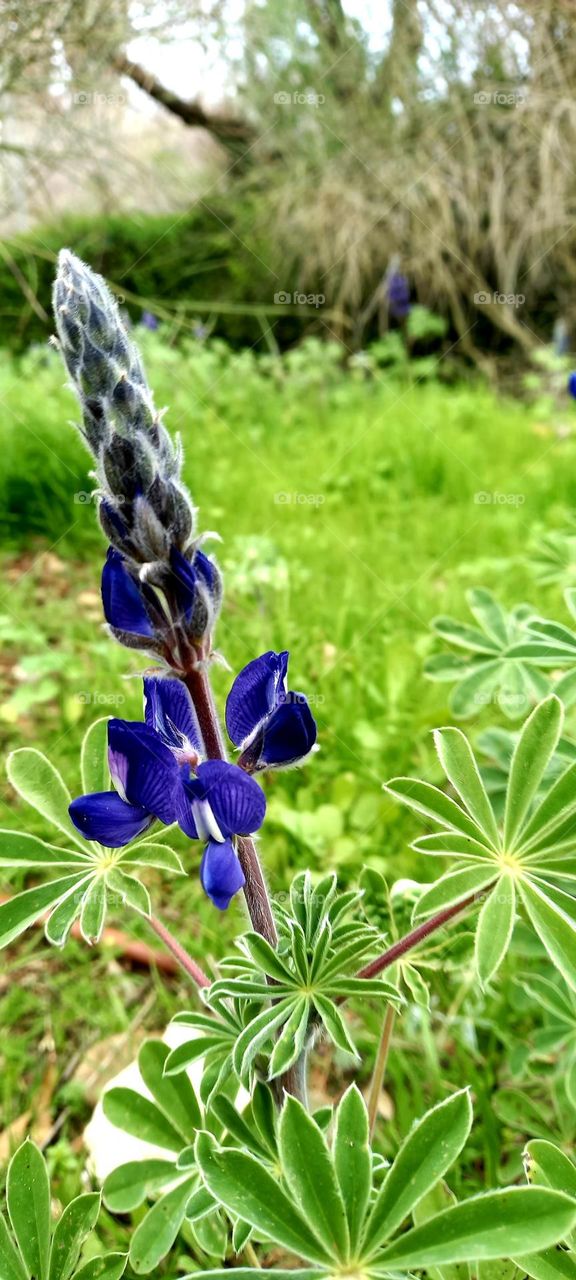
column 572, row 385
column 197, row 589
column 272, row 726
column 398, row 293
column 158, row 772
column 149, row 320
column 134, row 611
column 123, row 598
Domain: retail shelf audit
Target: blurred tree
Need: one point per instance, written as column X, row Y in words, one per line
column 441, row 134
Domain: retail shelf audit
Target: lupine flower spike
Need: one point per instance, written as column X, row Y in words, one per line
column 161, row 593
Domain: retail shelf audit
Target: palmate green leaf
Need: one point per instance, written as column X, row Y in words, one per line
column 258, row 1033
column 174, row 1094
column 424, row 1157
column 147, row 854
column 109, row 1266
column 493, row 1225
column 448, row 844
column 201, row 1202
column 61, row 919
column 238, row 1127
column 335, row 1024
column 556, row 928
column 454, row 887
column 552, row 1264
column 352, row 1160
column 34, row 777
column 93, row 910
column 465, row 636
column 28, row 1200
column 552, row 997
column 495, row 925
column 431, row 802
column 25, row 908
column 11, row 1267
column 503, row 661
column 489, row 615
column 94, row 769
column 459, row 764
column 434, row 1202
column 130, row 891
column 142, row 1118
column 131, row 1184
column 265, row 957
column 535, row 847
column 258, row 1273
column 291, row 1040
column 534, row 748
column 72, row 1229
column 156, row 1234
column 475, row 690
column 211, row 1234
column 519, row 1111
column 548, row 1166
column 18, row 849
column 240, row 1183
column 310, row 1175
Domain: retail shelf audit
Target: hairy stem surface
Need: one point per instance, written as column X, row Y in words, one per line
column 179, row 952
column 416, row 936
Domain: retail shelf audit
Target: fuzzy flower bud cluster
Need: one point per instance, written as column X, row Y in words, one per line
column 145, row 510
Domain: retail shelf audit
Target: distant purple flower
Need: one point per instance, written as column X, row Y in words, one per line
column 159, row 773
column 272, row 726
column 149, row 320
column 572, row 385
column 200, row 331
column 398, row 294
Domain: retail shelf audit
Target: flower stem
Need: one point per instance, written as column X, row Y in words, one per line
column 255, row 891
column 380, row 1067
column 179, row 952
column 200, row 691
column 416, row 936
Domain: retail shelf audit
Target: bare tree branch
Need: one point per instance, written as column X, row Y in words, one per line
column 227, row 129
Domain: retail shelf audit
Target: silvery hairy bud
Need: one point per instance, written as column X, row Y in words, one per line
column 135, row 455
column 160, row 591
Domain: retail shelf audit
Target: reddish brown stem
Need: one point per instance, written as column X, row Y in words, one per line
column 178, row 951
column 200, row 691
column 417, row 935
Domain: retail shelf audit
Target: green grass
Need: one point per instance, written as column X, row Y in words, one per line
column 349, row 515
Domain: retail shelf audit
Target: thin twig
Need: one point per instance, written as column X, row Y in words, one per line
column 380, row 1067
column 179, row 952
column 417, row 935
